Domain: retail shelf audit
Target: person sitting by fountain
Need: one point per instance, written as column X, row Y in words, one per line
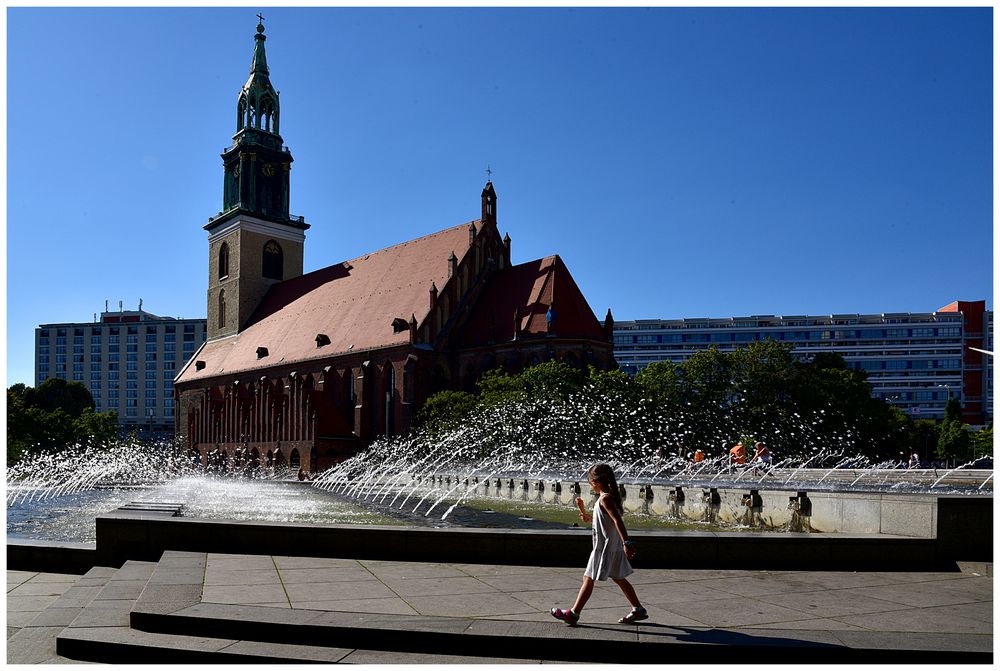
column 612, row 548
column 914, row 460
column 699, row 456
column 737, row 456
column 761, row 457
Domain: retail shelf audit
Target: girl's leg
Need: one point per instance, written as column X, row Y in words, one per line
column 586, row 589
column 629, row 591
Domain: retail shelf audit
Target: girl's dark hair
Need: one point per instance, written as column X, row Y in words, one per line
column 604, row 474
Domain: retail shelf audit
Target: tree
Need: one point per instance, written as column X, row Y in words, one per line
column 58, row 394
column 954, row 441
column 551, row 380
column 445, row 410
column 983, row 441
column 54, row 417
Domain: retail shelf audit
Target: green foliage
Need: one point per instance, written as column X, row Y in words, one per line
column 54, row 417
column 953, row 410
column 58, row 394
column 954, row 439
column 552, row 381
column 445, row 410
column 759, row 392
column 983, row 441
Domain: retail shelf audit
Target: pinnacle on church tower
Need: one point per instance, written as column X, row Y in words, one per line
column 258, row 101
column 253, row 242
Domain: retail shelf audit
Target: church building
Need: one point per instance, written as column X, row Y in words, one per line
column 305, row 368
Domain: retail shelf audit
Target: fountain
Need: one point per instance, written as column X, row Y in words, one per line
column 518, row 465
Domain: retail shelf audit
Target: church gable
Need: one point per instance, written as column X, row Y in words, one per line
column 532, row 299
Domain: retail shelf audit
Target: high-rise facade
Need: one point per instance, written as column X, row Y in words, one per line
column 127, row 360
column 916, row 361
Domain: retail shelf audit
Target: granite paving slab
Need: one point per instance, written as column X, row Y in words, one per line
column 469, row 605
column 30, row 603
column 36, row 587
column 236, row 576
column 108, row 613
column 52, row 577
column 753, row 585
column 831, row 603
column 418, row 587
column 358, row 589
column 733, row 612
column 325, row 574
column 249, row 594
column 390, row 605
column 497, row 570
column 529, row 582
column 216, row 560
column 919, row 621
column 291, row 563
column 33, row 645
column 389, row 570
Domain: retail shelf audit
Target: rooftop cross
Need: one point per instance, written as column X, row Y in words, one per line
column 489, row 173
column 260, row 20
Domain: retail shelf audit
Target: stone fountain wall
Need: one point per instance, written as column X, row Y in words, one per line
column 783, row 509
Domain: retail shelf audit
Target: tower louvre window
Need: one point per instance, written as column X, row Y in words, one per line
column 272, row 261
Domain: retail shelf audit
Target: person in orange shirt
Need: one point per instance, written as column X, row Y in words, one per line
column 738, row 455
column 699, row 456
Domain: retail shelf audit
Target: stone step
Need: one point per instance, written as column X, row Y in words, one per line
column 35, row 643
column 169, row 623
column 110, row 606
column 104, row 633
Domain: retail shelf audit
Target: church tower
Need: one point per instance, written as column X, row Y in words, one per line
column 253, row 243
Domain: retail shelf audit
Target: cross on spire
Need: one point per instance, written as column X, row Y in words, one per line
column 260, row 20
column 489, row 173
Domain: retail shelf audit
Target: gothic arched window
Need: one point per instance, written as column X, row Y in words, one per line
column 223, row 261
column 273, row 261
column 222, row 308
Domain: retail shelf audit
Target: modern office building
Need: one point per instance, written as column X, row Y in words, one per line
column 915, row 361
column 128, row 361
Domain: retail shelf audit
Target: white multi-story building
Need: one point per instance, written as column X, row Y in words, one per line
column 127, row 360
column 916, row 361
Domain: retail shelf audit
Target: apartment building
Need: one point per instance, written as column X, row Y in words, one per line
column 916, row 361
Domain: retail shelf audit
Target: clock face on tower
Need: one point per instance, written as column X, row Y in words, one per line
column 267, row 169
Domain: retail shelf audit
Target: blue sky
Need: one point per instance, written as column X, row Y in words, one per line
column 683, row 162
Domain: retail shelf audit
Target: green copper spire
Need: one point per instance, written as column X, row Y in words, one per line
column 259, row 56
column 257, row 106
column 258, row 164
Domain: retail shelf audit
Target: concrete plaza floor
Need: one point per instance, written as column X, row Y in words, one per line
column 905, row 611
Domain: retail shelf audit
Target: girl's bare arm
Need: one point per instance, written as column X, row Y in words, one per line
column 615, row 517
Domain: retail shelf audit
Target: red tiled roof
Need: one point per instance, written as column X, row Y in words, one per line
column 353, row 303
column 531, row 288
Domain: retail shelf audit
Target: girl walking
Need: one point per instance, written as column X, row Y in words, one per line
column 612, row 548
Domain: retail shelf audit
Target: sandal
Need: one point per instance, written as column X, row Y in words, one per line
column 567, row 616
column 634, row 616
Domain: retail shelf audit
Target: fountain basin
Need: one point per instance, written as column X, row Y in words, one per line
column 963, row 533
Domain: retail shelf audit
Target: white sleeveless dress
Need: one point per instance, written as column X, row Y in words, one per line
column 607, row 560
